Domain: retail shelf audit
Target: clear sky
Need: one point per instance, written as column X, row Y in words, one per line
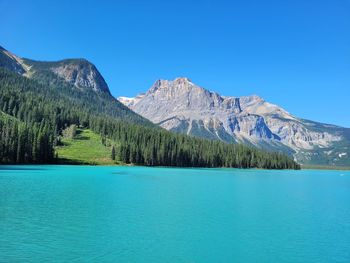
column 293, row 53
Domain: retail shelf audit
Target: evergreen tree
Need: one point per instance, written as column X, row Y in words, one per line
column 113, row 153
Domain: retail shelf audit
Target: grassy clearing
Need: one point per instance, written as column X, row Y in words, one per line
column 85, row 148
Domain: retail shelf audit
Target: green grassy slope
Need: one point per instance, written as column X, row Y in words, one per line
column 85, row 148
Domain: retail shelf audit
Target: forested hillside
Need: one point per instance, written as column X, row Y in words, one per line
column 35, row 114
column 25, row 143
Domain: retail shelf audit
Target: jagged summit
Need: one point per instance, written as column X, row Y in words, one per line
column 176, row 80
column 180, row 84
column 180, row 105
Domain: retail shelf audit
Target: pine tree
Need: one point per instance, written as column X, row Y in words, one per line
column 113, row 153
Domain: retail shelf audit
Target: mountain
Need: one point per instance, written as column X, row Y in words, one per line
column 78, row 72
column 11, row 61
column 184, row 107
column 63, row 112
column 78, row 79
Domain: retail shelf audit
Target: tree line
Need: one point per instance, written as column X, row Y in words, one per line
column 158, row 147
column 36, row 112
column 23, row 143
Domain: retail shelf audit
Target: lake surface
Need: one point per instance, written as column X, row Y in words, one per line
column 137, row 214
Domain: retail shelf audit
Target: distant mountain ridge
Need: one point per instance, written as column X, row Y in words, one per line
column 182, row 106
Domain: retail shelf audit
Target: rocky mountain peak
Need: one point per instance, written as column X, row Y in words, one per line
column 81, row 73
column 180, row 105
column 179, row 87
column 78, row 72
column 181, row 84
column 182, row 80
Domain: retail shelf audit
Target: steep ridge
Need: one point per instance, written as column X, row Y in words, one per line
column 10, row 61
column 78, row 72
column 184, row 107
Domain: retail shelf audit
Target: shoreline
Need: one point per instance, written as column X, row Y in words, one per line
column 324, row 167
column 305, row 167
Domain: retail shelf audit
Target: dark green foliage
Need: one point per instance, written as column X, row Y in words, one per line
column 25, row 143
column 113, row 154
column 157, row 147
column 41, row 111
column 88, row 101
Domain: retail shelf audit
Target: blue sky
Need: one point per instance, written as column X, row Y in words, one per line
column 292, row 53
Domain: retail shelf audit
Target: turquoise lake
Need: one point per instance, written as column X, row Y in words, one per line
column 138, row 214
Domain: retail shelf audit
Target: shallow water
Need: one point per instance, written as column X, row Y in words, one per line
column 138, row 214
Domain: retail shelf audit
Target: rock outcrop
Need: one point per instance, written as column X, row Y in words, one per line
column 81, row 73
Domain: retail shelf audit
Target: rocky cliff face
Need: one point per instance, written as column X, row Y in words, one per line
column 81, row 73
column 78, row 72
column 182, row 106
